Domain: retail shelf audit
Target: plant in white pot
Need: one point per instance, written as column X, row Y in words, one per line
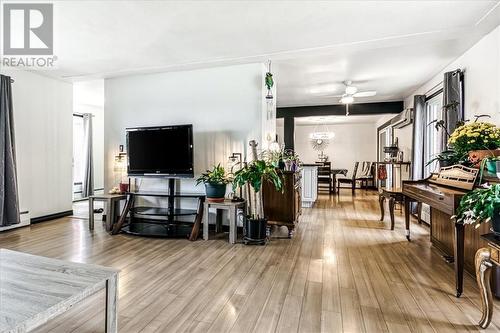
column 481, row 205
column 215, row 181
column 251, row 177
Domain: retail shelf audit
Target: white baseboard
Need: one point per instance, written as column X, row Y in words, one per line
column 25, row 221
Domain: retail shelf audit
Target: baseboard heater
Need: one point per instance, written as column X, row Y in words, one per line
column 25, row 221
column 51, row 216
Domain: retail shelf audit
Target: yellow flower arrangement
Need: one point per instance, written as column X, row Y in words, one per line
column 475, row 136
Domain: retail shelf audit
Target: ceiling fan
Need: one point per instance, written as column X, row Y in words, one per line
column 352, row 92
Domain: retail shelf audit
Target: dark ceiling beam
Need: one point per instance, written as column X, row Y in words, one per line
column 339, row 109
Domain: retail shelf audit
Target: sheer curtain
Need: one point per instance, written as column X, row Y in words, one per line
column 88, row 164
column 9, row 199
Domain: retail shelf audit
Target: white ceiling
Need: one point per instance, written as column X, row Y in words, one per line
column 388, row 46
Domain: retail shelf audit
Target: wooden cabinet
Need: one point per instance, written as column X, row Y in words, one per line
column 283, row 208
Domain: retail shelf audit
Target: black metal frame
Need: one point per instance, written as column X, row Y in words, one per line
column 290, row 113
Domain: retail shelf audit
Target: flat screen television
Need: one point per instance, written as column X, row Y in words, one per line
column 165, row 151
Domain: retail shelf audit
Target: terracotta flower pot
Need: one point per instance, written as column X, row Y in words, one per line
column 476, row 156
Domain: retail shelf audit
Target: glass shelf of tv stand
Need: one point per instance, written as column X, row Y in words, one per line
column 158, row 228
column 166, row 194
column 158, row 211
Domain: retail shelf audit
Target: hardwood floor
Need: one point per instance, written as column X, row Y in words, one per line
column 344, row 271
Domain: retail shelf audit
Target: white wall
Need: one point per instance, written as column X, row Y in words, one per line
column 88, row 97
column 352, row 142
column 43, row 134
column 224, row 104
column 482, row 78
column 481, row 64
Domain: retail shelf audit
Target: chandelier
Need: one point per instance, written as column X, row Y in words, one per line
column 321, row 132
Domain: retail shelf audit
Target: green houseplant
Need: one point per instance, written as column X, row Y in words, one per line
column 251, row 177
column 215, row 181
column 283, row 159
column 450, row 157
column 481, row 205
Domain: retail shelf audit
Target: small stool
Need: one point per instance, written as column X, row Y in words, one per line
column 394, row 195
column 232, row 208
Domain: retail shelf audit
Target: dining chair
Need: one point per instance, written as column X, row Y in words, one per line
column 349, row 181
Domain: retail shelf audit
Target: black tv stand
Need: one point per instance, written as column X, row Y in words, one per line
column 167, row 221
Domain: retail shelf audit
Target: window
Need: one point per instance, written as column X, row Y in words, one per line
column 77, row 155
column 433, row 137
column 385, row 140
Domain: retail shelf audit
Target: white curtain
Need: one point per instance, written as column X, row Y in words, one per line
column 88, row 162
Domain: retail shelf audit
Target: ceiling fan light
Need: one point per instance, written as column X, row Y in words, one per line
column 347, row 99
column 350, row 90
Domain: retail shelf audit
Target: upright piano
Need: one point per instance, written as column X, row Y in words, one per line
column 442, row 192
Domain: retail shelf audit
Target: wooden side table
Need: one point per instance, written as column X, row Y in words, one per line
column 232, row 208
column 393, row 195
column 486, row 259
column 112, row 208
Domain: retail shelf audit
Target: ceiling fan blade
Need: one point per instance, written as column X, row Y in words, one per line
column 365, row 93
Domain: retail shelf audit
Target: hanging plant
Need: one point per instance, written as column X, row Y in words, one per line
column 269, row 80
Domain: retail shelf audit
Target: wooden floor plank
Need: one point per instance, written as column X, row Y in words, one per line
column 343, row 271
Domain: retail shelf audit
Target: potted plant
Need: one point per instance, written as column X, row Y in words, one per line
column 479, row 206
column 215, row 181
column 274, row 157
column 450, row 157
column 251, row 177
column 477, row 139
column 491, row 164
column 291, row 160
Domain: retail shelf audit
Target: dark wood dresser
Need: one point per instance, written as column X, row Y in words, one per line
column 283, row 208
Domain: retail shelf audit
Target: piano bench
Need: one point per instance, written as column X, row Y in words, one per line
column 393, row 195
